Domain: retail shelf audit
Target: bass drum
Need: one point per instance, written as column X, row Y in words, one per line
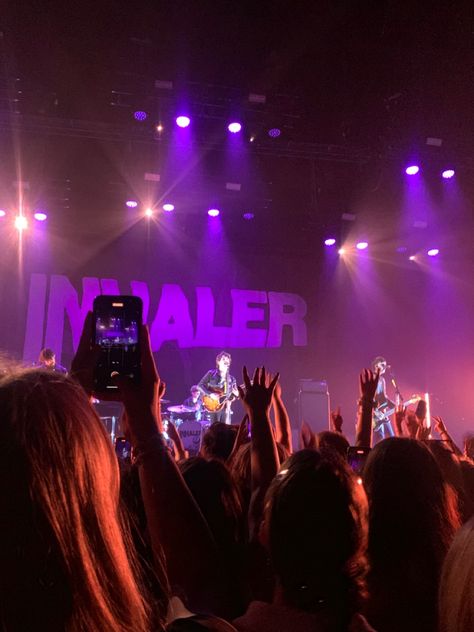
column 190, row 432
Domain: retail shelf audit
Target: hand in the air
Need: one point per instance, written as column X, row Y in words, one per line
column 257, row 394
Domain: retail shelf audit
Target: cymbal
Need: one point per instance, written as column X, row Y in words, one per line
column 180, row 409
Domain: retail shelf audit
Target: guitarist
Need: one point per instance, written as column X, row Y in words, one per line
column 221, row 386
column 382, row 402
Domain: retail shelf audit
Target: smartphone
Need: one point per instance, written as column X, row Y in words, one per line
column 356, row 457
column 123, row 449
column 117, row 326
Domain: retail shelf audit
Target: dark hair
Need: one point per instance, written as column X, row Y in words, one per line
column 218, row 441
column 378, row 360
column 317, row 534
column 413, row 517
column 327, row 440
column 46, row 354
column 66, row 559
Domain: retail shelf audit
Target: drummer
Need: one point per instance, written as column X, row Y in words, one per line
column 194, row 402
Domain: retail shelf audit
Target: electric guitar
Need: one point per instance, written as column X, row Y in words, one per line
column 381, row 414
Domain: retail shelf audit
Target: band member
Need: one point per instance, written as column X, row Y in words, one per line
column 219, row 385
column 194, row 401
column 47, row 360
column 382, row 402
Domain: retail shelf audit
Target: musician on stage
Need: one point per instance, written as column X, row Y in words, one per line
column 47, row 360
column 221, row 386
column 382, row 402
column 194, row 401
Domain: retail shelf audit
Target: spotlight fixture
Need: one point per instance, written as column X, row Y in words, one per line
column 131, row 203
column 40, row 216
column 235, row 127
column 183, row 121
column 159, row 127
column 448, row 174
column 2, row 213
column 213, row 212
column 274, row 132
column 412, row 170
column 21, row 223
column 148, row 212
column 248, row 215
column 168, row 207
column 433, row 252
column 362, row 245
column 252, row 138
column 140, row 115
column 341, row 251
column 412, row 258
column 330, row 241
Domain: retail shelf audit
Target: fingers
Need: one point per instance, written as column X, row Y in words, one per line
column 255, row 378
column 241, row 392
column 273, row 383
column 148, row 362
column 246, row 380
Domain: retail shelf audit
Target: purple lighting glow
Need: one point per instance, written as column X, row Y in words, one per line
column 362, row 245
column 131, row 203
column 40, row 216
column 234, row 128
column 447, row 174
column 433, row 252
column 168, row 207
column 140, row 115
column 274, row 132
column 183, row 121
column 329, row 242
column 213, row 212
column 412, row 170
column 249, row 215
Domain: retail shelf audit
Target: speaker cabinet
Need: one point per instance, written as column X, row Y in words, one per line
column 313, row 405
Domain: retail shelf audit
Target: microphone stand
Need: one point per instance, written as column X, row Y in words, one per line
column 398, row 395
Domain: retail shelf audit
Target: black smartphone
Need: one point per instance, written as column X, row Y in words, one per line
column 356, row 457
column 117, row 326
column 123, row 449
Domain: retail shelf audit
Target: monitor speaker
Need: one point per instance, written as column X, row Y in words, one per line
column 313, row 405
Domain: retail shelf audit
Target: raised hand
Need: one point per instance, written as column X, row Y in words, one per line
column 336, row 420
column 308, row 438
column 257, row 394
column 440, row 426
column 368, row 381
column 400, row 414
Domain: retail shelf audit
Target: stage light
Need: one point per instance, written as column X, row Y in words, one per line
column 412, row 258
column 159, row 127
column 251, row 139
column 2, row 213
column 329, row 242
column 447, row 174
column 274, row 132
column 148, row 212
column 433, row 252
column 168, row 207
column 21, row 223
column 341, row 251
column 131, row 203
column 183, row 121
column 362, row 245
column 213, row 212
column 40, row 216
column 140, row 115
column 234, row 128
column 401, row 249
column 412, row 170
column 248, row 216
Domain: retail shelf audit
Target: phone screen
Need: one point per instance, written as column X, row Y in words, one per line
column 117, row 323
column 356, row 458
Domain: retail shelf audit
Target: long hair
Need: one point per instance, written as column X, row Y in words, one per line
column 64, row 561
column 456, row 590
column 317, row 534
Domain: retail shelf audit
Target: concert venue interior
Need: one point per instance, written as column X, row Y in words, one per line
column 333, row 104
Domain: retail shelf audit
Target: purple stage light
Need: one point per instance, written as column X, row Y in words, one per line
column 235, row 127
column 168, row 207
column 433, row 252
column 131, row 203
column 412, row 170
column 148, row 212
column 213, row 212
column 447, row 174
column 2, row 213
column 183, row 121
column 140, row 115
column 274, row 132
column 362, row 245
column 248, row 216
column 329, row 242
column 40, row 216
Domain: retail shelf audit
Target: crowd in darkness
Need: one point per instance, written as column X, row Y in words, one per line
column 252, row 535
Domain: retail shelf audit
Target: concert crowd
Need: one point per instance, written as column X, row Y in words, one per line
column 253, row 534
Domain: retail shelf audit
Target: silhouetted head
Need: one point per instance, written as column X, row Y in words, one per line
column 218, row 441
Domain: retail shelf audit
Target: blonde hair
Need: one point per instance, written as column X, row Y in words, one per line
column 61, row 531
column 456, row 590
